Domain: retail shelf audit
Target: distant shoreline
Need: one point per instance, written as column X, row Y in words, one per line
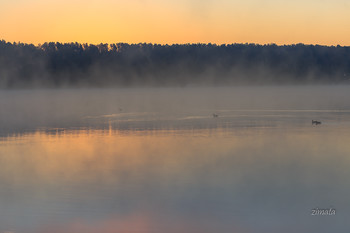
column 57, row 65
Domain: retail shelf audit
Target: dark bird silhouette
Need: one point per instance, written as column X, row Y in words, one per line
column 215, row 115
column 316, row 122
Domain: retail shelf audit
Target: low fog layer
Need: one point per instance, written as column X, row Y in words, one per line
column 28, row 109
column 119, row 65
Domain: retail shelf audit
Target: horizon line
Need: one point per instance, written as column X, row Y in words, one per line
column 170, row 44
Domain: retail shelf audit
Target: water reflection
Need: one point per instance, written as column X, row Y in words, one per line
column 156, row 160
column 233, row 179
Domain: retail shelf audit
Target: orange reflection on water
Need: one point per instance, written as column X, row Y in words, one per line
column 171, row 181
column 75, row 156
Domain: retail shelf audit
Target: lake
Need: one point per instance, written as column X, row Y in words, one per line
column 157, row 160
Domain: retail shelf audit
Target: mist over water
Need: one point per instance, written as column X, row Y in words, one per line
column 59, row 65
column 30, row 109
column 157, row 160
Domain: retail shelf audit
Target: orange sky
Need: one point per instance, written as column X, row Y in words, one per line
column 181, row 21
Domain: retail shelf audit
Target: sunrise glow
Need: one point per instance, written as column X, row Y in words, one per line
column 168, row 22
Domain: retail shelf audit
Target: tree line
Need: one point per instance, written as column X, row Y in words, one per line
column 57, row 64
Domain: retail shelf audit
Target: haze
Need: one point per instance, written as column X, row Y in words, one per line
column 169, row 116
column 132, row 108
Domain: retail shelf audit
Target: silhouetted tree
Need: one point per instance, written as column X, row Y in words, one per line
column 73, row 64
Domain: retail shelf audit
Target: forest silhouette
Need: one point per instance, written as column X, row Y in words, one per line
column 55, row 64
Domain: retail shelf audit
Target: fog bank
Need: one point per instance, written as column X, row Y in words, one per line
column 57, row 65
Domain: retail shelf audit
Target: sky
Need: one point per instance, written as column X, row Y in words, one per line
column 325, row 22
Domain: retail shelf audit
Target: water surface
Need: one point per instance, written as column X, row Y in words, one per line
column 158, row 161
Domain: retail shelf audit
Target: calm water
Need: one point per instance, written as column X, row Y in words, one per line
column 156, row 160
